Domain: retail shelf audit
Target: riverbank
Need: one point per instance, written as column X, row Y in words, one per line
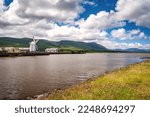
column 129, row 83
column 23, row 54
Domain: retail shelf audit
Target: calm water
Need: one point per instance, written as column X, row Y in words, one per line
column 22, row 77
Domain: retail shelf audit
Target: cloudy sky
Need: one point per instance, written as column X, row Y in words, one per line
column 112, row 23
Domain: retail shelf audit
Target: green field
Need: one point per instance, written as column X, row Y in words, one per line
column 129, row 83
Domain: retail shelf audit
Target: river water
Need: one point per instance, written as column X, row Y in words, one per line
column 22, row 77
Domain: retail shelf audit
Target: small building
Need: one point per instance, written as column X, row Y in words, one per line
column 52, row 50
column 11, row 49
column 1, row 49
column 24, row 50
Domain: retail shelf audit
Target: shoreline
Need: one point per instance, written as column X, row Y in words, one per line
column 20, row 54
column 32, row 54
column 46, row 96
column 2, row 55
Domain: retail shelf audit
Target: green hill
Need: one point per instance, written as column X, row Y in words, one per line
column 43, row 44
column 82, row 45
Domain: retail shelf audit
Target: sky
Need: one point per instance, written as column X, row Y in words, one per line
column 115, row 24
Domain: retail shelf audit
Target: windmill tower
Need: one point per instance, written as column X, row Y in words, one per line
column 33, row 46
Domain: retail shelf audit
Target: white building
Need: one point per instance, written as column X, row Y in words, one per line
column 1, row 49
column 52, row 50
column 24, row 50
column 11, row 49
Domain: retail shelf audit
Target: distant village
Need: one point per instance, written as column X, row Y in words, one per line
column 31, row 49
column 26, row 50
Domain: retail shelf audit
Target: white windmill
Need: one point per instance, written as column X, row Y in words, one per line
column 33, row 46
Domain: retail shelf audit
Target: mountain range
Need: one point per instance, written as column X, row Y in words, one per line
column 43, row 44
column 134, row 50
column 64, row 44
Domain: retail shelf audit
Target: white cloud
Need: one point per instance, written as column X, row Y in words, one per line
column 122, row 34
column 131, row 45
column 73, row 33
column 89, row 2
column 137, row 11
column 115, row 45
column 1, row 3
column 38, row 18
column 102, row 20
column 2, row 7
column 26, row 18
column 10, row 17
column 25, row 11
column 63, row 10
column 38, row 29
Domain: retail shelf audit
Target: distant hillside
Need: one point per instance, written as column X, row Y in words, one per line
column 82, row 45
column 134, row 50
column 43, row 44
column 137, row 50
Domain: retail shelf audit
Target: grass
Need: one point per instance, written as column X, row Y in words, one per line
column 129, row 83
